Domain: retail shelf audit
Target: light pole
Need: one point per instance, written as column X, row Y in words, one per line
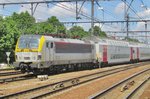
column 92, row 17
column 145, row 7
column 146, row 32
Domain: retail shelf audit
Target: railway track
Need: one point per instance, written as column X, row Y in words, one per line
column 14, row 75
column 17, row 78
column 10, row 73
column 137, row 89
column 48, row 89
column 128, row 82
column 7, row 69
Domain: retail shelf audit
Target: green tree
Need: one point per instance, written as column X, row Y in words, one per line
column 131, row 39
column 1, row 26
column 9, row 35
column 11, row 28
column 97, row 32
column 57, row 26
column 24, row 21
column 44, row 27
column 78, row 31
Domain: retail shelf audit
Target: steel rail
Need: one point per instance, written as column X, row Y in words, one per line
column 7, row 69
column 18, row 78
column 61, row 85
column 10, row 73
column 101, row 93
column 137, row 88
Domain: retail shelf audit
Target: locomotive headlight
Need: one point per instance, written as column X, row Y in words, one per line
column 39, row 57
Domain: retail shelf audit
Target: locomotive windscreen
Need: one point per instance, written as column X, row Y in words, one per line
column 30, row 42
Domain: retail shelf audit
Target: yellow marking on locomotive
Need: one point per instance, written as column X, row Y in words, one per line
column 26, row 50
column 16, row 49
column 42, row 40
column 39, row 49
column 99, row 55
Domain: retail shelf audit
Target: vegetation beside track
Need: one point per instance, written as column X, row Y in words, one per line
column 13, row 26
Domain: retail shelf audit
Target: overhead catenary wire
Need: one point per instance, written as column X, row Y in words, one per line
column 87, row 16
column 98, row 20
column 107, row 11
column 133, row 10
column 95, row 19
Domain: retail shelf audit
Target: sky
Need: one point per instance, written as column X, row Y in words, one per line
column 111, row 10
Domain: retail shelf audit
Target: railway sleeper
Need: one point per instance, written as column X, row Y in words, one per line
column 58, row 86
column 127, row 86
column 75, row 81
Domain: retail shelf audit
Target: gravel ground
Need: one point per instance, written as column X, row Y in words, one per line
column 120, row 95
column 85, row 90
column 146, row 93
column 11, row 87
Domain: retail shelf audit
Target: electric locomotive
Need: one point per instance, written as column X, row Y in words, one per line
column 39, row 53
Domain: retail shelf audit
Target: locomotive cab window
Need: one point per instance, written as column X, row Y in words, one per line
column 47, row 45
column 52, row 45
column 28, row 42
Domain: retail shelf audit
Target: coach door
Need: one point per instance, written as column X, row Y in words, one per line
column 104, row 53
column 49, row 51
column 134, row 53
column 137, row 53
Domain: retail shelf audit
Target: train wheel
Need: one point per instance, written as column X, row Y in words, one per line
column 22, row 68
column 95, row 66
